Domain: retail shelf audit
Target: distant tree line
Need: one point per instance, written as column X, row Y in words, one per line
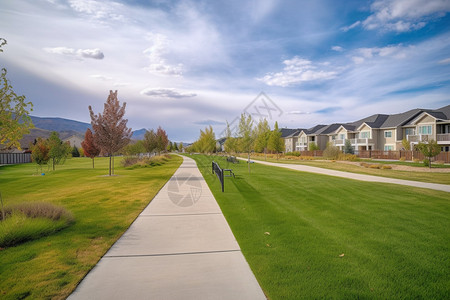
column 249, row 137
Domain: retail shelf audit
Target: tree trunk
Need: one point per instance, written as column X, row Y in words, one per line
column 93, row 167
column 248, row 162
column 110, row 165
column 53, row 163
column 265, row 153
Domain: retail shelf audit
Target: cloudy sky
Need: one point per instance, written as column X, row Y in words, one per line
column 186, row 64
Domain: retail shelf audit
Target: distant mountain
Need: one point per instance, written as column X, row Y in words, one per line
column 59, row 124
column 65, row 127
column 138, row 134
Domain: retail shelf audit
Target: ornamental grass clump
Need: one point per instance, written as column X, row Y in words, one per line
column 31, row 220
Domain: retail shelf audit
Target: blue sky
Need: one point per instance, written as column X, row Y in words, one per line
column 185, row 64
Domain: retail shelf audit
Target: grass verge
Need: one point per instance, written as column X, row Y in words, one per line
column 443, row 178
column 310, row 236
column 103, row 206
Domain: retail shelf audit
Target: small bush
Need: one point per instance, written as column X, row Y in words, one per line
column 133, row 162
column 416, row 160
column 32, row 220
column 375, row 166
column 293, row 153
column 426, row 162
column 402, row 158
column 365, row 165
column 331, row 152
column 386, row 167
column 348, row 157
column 306, row 158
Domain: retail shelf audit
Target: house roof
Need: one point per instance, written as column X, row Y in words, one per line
column 315, row 129
column 286, row 132
column 295, row 133
column 445, row 110
column 402, row 118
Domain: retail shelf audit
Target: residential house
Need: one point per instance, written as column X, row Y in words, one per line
column 379, row 131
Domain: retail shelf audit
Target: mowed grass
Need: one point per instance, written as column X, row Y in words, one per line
column 442, row 178
column 310, row 236
column 103, row 207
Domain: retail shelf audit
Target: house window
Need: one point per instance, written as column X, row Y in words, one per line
column 388, row 148
column 364, row 135
column 410, row 131
column 333, row 137
column 388, row 134
column 342, row 136
column 425, row 129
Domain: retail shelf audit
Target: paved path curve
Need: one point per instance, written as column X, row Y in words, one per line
column 362, row 177
column 179, row 247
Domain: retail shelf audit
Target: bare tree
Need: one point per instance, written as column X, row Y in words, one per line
column 110, row 129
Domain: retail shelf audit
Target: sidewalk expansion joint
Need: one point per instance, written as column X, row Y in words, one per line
column 180, row 215
column 171, row 254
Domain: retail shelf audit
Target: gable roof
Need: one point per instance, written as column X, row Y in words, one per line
column 314, row 130
column 286, row 132
column 402, row 118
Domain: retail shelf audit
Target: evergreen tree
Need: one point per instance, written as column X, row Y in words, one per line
column 75, row 152
column 276, row 143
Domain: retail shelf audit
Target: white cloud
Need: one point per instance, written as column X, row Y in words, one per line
column 166, row 93
column 101, row 77
column 98, row 10
column 404, row 15
column 445, row 61
column 298, row 112
column 394, row 51
column 156, row 54
column 86, row 53
column 347, row 28
column 337, row 48
column 296, row 71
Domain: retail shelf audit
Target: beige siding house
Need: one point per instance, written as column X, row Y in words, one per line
column 380, row 132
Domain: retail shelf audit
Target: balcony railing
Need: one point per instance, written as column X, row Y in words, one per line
column 445, row 137
column 419, row 138
column 354, row 142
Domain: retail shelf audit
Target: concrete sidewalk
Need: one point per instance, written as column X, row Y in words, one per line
column 362, row 177
column 180, row 247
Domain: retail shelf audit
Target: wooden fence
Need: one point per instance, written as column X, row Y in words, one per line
column 408, row 155
column 14, row 158
column 395, row 155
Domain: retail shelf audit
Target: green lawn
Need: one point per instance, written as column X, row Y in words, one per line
column 443, row 178
column 336, row 238
column 103, row 207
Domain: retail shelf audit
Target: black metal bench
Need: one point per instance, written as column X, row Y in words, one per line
column 232, row 159
column 230, row 173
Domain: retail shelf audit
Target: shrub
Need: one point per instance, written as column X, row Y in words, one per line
column 32, row 220
column 144, row 162
column 348, row 157
column 402, row 158
column 293, row 153
column 416, row 160
column 331, row 152
column 365, row 165
column 426, row 162
column 386, row 167
column 375, row 166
